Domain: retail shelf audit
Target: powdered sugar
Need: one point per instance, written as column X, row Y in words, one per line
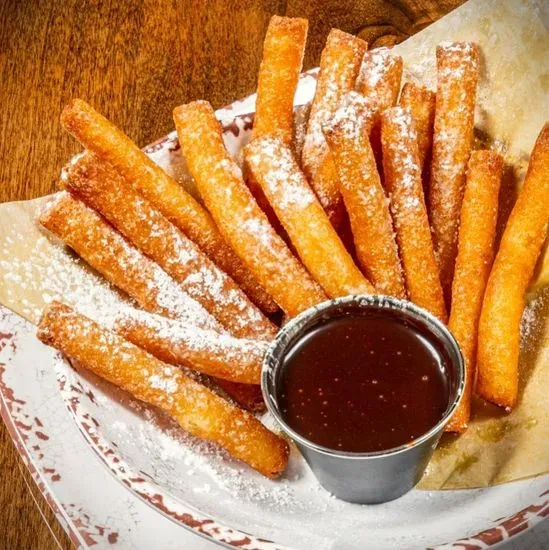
column 226, row 301
column 379, row 76
column 44, row 271
column 352, row 116
column 185, row 341
column 163, row 383
column 375, row 65
column 275, row 166
column 206, row 469
column 124, row 265
column 170, row 297
column 261, row 230
column 403, row 157
column 231, row 166
column 463, row 48
column 530, row 323
column 461, row 58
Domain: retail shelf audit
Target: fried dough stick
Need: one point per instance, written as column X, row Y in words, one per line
column 313, row 236
column 236, row 213
column 196, row 409
column 457, row 76
column 477, row 231
column 205, row 351
column 110, row 144
column 339, row 65
column 347, row 134
column 421, row 103
column 379, row 80
column 283, row 51
column 402, row 173
column 101, row 246
column 106, row 191
column 379, row 77
column 503, row 305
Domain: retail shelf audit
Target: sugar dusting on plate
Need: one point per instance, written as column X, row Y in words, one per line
column 169, row 458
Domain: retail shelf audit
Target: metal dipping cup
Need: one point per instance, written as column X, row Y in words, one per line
column 370, row 477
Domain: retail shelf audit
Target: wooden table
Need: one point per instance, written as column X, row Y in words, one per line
column 134, row 60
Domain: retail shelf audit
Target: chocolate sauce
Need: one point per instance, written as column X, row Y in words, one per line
column 363, row 383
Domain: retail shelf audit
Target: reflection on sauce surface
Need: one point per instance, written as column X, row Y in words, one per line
column 363, row 383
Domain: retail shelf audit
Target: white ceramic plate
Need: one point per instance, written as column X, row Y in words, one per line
column 205, row 490
column 45, row 403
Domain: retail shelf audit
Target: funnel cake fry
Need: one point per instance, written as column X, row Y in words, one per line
column 206, row 351
column 347, row 134
column 477, row 231
column 236, row 213
column 196, row 409
column 503, row 305
column 110, row 144
column 313, row 236
column 403, row 183
column 457, row 78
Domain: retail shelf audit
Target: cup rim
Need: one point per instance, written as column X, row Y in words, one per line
column 382, row 302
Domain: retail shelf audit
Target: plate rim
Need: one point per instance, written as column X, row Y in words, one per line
column 490, row 537
column 508, row 527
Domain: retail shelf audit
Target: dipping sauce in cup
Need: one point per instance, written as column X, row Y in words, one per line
column 365, row 386
column 383, row 377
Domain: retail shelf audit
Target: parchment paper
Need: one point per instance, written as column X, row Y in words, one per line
column 513, row 106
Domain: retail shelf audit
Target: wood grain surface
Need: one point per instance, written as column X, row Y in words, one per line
column 134, row 60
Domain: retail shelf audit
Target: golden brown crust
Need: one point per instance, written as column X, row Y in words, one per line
column 110, row 144
column 339, row 66
column 421, row 103
column 474, row 260
column 102, row 188
column 313, row 236
column 347, row 134
column 197, row 409
column 402, row 173
column 457, row 76
column 283, row 51
column 503, row 305
column 237, row 215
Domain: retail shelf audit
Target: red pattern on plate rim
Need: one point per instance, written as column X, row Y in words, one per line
column 145, row 488
column 17, row 423
column 26, row 433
